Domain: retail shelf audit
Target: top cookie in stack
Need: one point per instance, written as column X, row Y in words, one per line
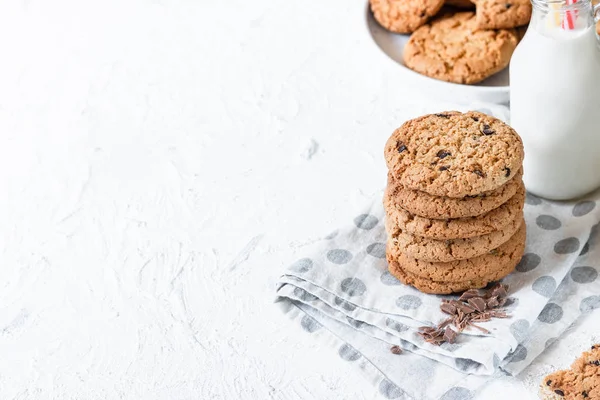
column 461, row 47
column 454, row 201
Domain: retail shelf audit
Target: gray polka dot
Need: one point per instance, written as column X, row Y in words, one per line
column 566, row 246
column 355, row 323
column 584, row 274
column 332, row 235
column 408, row 302
column 466, row 365
column 551, row 313
column 583, row 207
column 395, row 325
column 518, row 355
column 457, row 393
column 366, row 221
column 303, row 294
column 339, row 256
column 376, row 250
column 519, row 329
column 547, row 222
column 302, row 265
column 550, row 341
column 532, row 200
column 348, row 353
column 544, row 286
column 344, row 304
column 589, row 303
column 309, row 324
column 529, row 262
column 406, row 345
column 496, row 361
column 389, row 279
column 353, row 287
column 389, row 390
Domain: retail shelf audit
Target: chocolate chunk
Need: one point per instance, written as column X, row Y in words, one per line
column 479, row 173
column 487, row 130
column 444, row 168
column 507, row 174
column 448, row 308
column 475, row 119
column 396, row 350
column 450, row 335
column 478, row 303
column 548, row 382
column 493, row 302
column 469, row 294
column 508, row 5
column 499, row 290
column 442, row 115
column 559, row 392
column 443, row 154
column 596, row 363
column 401, row 147
column 595, row 346
column 465, row 308
column 584, row 394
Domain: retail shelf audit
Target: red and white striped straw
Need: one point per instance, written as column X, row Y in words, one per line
column 568, row 21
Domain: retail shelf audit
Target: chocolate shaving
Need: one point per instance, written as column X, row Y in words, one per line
column 396, row 350
column 559, row 392
column 442, row 115
column 472, row 306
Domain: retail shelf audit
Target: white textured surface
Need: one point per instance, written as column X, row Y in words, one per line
column 154, row 158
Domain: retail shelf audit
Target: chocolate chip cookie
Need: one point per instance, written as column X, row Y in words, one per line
column 581, row 382
column 404, row 16
column 507, row 256
column 442, row 229
column 452, row 154
column 451, row 48
column 427, row 249
column 502, row 14
column 436, row 207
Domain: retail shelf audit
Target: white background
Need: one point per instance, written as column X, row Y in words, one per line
column 156, row 157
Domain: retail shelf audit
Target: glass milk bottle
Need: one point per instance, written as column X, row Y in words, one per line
column 555, row 99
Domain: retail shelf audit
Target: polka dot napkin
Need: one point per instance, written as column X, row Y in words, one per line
column 341, row 292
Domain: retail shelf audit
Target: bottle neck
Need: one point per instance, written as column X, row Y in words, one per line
column 562, row 14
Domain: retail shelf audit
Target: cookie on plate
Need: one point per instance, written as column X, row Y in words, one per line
column 435, row 207
column 442, row 229
column 451, row 48
column 404, row 16
column 502, row 14
column 433, row 250
column 452, row 154
column 506, row 257
column 581, row 382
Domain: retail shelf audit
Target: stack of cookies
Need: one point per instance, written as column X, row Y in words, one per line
column 453, row 43
column 454, row 201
